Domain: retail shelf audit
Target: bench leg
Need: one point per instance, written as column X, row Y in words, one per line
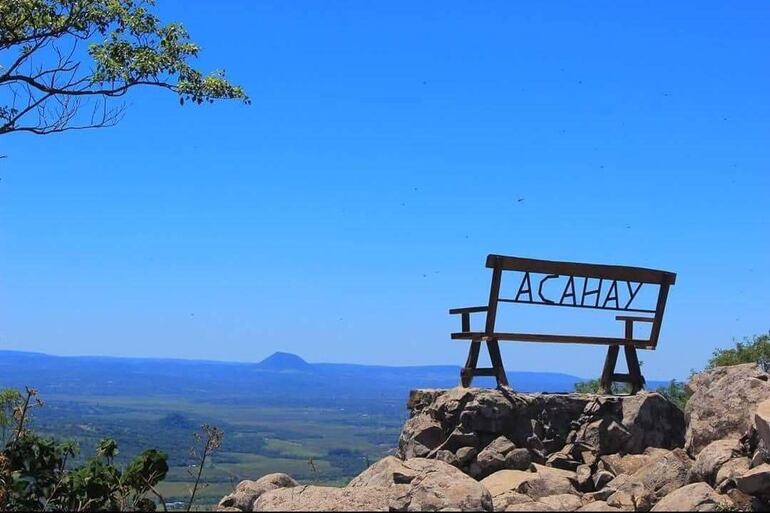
column 609, row 369
column 467, row 372
column 634, row 376
column 497, row 363
column 634, row 370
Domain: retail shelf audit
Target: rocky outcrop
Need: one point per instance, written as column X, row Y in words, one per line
column 424, row 485
column 694, row 497
column 496, row 450
column 324, row 498
column 247, row 492
column 492, row 430
column 723, row 403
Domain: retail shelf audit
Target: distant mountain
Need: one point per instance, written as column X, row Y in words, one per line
column 284, row 362
column 283, row 379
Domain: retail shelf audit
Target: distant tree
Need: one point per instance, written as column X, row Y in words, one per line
column 674, row 392
column 592, row 386
column 751, row 350
column 63, row 62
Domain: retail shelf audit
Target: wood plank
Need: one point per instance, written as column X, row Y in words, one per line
column 538, row 303
column 537, row 337
column 468, row 309
column 609, row 368
column 608, row 272
column 634, row 319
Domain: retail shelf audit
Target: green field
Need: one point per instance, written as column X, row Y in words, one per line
column 258, row 440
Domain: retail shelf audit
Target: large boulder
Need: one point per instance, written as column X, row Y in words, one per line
column 723, row 403
column 420, row 435
column 324, row 498
column 711, row 458
column 630, row 424
column 247, row 492
column 542, row 482
column 421, row 484
column 756, row 481
column 762, row 422
column 693, row 497
column 642, row 489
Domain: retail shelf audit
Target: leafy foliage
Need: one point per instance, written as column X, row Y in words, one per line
column 674, row 392
column 593, row 387
column 56, row 55
column 750, row 350
column 34, row 474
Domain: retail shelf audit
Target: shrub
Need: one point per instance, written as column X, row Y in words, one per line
column 750, row 350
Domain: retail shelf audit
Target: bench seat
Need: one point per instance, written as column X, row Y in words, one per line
column 563, row 339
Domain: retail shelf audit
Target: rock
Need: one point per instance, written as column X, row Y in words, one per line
column 465, row 455
column 419, row 436
column 509, row 498
column 246, row 492
column 598, row 506
column 477, row 415
column 601, row 478
column 627, row 464
column 324, row 498
column 756, row 481
column 548, row 481
column 459, row 438
column 693, row 497
column 630, row 424
column 421, row 484
column 732, row 469
column 448, row 457
column 492, row 457
column 711, row 458
column 762, row 421
column 641, row 490
column 583, row 476
column 562, row 502
column 529, row 506
column 759, row 457
column 505, row 481
column 420, row 398
column 518, row 459
column 723, row 404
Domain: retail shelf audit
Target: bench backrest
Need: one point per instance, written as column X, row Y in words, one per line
column 578, row 293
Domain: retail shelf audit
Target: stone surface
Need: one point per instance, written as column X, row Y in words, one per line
column 598, row 506
column 630, row 424
column 756, row 481
column 488, row 414
column 421, row 484
column 732, row 470
column 693, row 497
column 529, row 506
column 509, row 498
column 323, row 498
column 711, row 458
column 247, row 492
column 723, row 404
column 762, row 421
column 518, row 459
column 562, row 502
column 642, row 489
column 420, row 435
column 492, row 457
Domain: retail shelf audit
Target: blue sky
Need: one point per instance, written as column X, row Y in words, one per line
column 384, row 155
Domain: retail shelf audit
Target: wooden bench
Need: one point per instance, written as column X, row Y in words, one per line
column 594, row 298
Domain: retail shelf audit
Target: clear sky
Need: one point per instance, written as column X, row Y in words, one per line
column 390, row 147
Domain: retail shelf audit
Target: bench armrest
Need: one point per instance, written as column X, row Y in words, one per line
column 634, row 319
column 466, row 315
column 467, row 309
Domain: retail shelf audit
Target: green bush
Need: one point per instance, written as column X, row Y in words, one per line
column 34, row 475
column 750, row 350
